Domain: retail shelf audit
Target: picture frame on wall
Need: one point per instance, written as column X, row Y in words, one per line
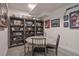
column 65, row 24
column 74, row 19
column 3, row 21
column 65, row 18
column 55, row 23
column 47, row 24
column 3, row 16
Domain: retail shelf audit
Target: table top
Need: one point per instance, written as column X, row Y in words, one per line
column 29, row 39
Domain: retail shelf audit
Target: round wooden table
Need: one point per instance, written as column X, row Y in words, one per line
column 29, row 39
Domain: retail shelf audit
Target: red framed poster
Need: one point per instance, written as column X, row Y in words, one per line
column 47, row 24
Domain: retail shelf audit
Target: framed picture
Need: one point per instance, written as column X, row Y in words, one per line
column 65, row 18
column 65, row 24
column 3, row 21
column 55, row 23
column 47, row 24
column 3, row 15
column 74, row 19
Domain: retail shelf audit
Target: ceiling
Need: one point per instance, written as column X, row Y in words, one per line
column 38, row 8
column 46, row 8
column 21, row 6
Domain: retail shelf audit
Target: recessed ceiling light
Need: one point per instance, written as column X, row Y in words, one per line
column 31, row 6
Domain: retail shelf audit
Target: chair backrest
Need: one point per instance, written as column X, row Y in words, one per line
column 40, row 42
column 57, row 42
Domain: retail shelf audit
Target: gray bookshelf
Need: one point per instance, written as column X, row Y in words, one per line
column 21, row 28
column 16, row 31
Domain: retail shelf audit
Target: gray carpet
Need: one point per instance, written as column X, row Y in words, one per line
column 19, row 51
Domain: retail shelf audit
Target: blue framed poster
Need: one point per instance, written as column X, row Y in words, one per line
column 55, row 23
column 65, row 18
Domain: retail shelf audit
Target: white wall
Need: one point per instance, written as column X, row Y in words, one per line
column 17, row 12
column 69, row 37
column 3, row 42
column 4, row 34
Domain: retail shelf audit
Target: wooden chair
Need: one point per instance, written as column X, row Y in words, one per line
column 38, row 45
column 51, row 46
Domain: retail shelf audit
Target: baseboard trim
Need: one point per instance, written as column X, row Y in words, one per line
column 67, row 52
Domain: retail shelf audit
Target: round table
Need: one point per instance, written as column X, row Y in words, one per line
column 48, row 41
column 29, row 39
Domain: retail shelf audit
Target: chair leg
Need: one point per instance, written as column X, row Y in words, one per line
column 27, row 49
column 24, row 49
column 32, row 51
column 47, row 50
column 56, row 52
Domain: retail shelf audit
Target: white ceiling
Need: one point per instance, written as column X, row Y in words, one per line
column 38, row 9
column 48, row 7
column 21, row 6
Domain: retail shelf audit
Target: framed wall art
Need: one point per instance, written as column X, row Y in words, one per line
column 65, row 24
column 65, row 18
column 55, row 23
column 47, row 24
column 3, row 15
column 74, row 19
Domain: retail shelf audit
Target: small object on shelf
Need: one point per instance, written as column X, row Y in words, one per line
column 29, row 23
column 13, row 29
column 12, row 24
column 18, row 33
column 29, row 29
column 14, row 38
column 38, row 32
column 17, row 22
column 33, row 25
column 21, row 29
column 39, row 29
column 38, row 24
